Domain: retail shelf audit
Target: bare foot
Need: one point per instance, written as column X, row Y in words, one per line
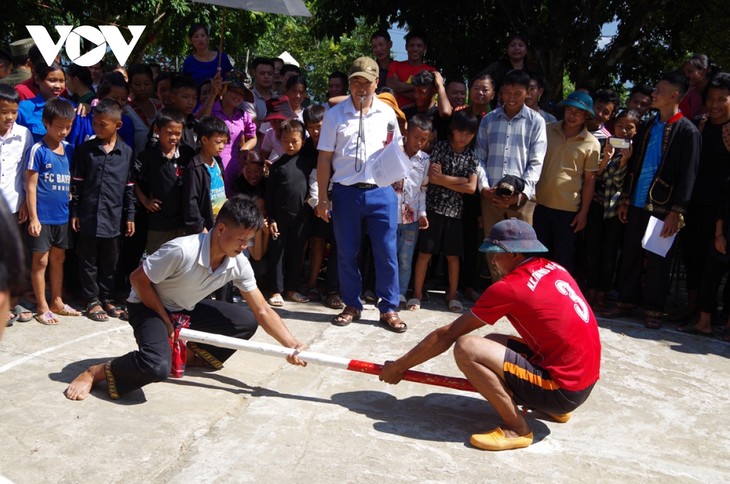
column 82, row 384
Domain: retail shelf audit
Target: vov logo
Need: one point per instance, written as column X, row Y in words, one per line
column 101, row 37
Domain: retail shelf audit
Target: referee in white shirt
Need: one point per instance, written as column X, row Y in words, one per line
column 353, row 133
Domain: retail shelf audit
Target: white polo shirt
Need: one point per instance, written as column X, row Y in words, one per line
column 339, row 134
column 181, row 274
column 14, row 148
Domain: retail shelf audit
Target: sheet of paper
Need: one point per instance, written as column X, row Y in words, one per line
column 653, row 241
column 391, row 165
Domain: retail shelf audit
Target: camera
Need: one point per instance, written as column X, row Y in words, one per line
column 620, row 143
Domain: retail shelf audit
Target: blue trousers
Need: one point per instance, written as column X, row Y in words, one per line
column 378, row 208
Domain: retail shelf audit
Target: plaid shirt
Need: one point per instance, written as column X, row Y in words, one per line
column 514, row 146
column 608, row 186
column 445, row 201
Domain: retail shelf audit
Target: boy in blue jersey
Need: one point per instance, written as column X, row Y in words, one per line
column 48, row 182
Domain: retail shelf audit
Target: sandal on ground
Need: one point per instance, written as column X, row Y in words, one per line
column 48, row 318
column 620, row 310
column 455, row 306
column 67, row 310
column 392, row 322
column 413, row 304
column 682, row 315
column 20, row 311
column 334, row 301
column 95, row 312
column 112, row 309
column 370, row 297
column 495, row 439
column 12, row 318
column 276, row 301
column 651, row 322
column 314, row 295
column 348, row 315
column 297, row 297
column 471, row 294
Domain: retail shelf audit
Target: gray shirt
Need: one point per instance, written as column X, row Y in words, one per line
column 181, row 274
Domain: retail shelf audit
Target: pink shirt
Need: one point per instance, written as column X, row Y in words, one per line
column 239, row 125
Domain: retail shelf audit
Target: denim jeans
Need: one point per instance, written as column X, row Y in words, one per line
column 407, row 240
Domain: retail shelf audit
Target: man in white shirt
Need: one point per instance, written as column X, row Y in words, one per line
column 174, row 280
column 353, row 133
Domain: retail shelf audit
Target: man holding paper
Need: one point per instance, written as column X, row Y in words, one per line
column 352, row 137
column 659, row 180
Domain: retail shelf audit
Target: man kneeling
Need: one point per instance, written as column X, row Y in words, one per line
column 555, row 364
column 176, row 279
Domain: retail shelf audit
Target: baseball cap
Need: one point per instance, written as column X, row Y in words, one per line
column 364, row 67
column 581, row 100
column 512, row 235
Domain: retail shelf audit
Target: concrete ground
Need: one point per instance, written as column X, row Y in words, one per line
column 659, row 413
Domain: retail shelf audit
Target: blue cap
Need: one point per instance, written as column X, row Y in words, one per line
column 581, row 100
column 516, row 236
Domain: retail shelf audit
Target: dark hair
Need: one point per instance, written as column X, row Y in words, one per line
column 210, row 126
column 204, row 83
column 166, row 116
column 416, row 34
column 721, row 80
column 255, row 158
column 482, row 76
column 163, row 76
column 644, row 89
column 137, row 69
column 607, row 96
column 293, row 126
column 629, row 113
column 9, row 94
column 109, row 107
column 701, row 61
column 314, row 113
column 516, row 77
column 12, row 254
column 289, row 68
column 108, row 81
column 464, row 121
column 385, row 90
column 454, row 80
column 81, row 73
column 182, row 82
column 294, row 80
column 41, row 69
column 257, row 61
column 517, row 35
column 538, row 78
column 194, row 28
column 381, row 33
column 58, row 108
column 420, row 121
column 240, row 211
column 6, row 57
column 423, row 78
column 339, row 75
column 678, row 80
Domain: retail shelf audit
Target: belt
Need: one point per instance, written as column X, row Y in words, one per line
column 365, row 186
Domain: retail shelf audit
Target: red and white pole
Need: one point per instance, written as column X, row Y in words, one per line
column 321, row 359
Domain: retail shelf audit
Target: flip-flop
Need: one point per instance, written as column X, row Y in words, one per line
column 67, row 310
column 12, row 319
column 47, row 318
column 455, row 306
column 21, row 310
column 297, row 298
column 413, row 304
column 276, row 301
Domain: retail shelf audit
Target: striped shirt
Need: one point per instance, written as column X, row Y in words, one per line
column 514, row 146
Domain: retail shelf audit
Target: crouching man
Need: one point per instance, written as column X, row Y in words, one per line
column 552, row 368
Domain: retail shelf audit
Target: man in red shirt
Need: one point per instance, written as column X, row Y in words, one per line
column 553, row 366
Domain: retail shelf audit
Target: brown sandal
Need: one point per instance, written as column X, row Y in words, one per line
column 348, row 315
column 392, row 322
column 334, row 301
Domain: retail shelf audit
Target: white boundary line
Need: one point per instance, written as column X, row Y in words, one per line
column 31, row 356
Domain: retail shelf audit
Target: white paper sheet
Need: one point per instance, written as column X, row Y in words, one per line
column 653, row 241
column 391, row 165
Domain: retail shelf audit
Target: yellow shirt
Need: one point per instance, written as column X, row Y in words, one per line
column 566, row 160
